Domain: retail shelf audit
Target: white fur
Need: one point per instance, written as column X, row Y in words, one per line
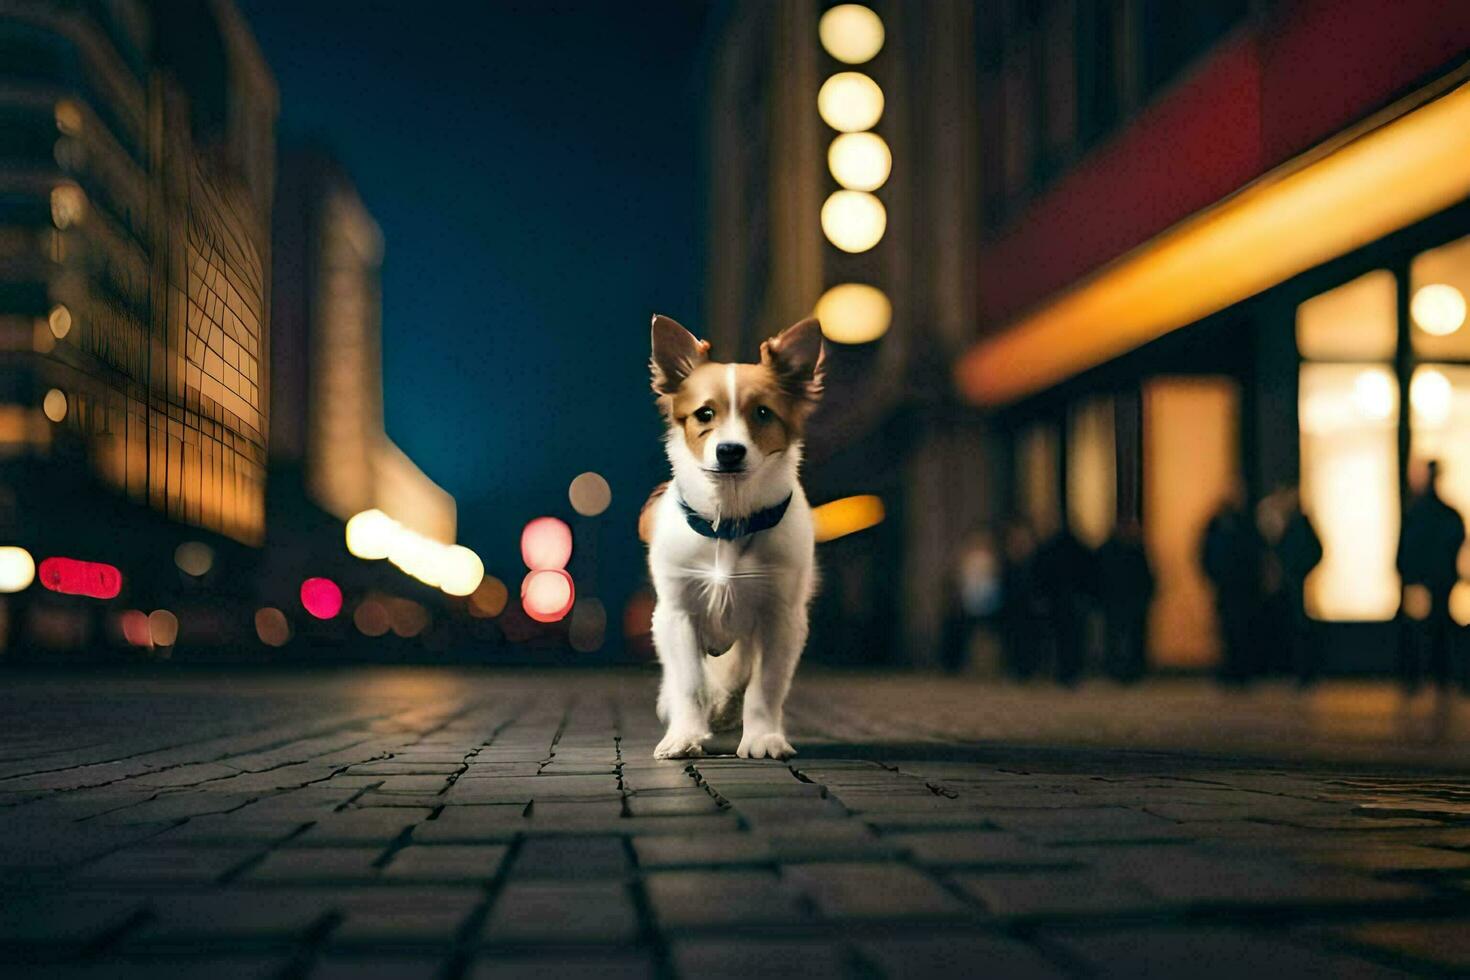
column 748, row 597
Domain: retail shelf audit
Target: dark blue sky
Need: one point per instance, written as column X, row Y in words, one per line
column 536, row 171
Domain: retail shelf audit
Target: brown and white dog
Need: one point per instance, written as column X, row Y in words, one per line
column 729, row 538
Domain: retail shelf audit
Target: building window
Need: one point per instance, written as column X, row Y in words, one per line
column 1348, row 413
column 1092, row 471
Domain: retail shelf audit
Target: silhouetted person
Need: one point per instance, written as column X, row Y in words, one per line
column 1023, row 607
column 1126, row 588
column 1298, row 551
column 1066, row 575
column 1429, row 548
column 974, row 596
column 1231, row 555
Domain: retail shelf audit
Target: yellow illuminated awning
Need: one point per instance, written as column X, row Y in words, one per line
column 1292, row 219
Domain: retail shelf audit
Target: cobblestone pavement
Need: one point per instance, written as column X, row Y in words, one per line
column 431, row 823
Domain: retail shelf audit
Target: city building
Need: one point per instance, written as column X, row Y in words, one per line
column 842, row 164
column 137, row 168
column 1225, row 249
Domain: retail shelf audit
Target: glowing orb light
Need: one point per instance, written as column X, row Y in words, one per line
column 1373, row 395
column 854, row 221
column 590, row 494
column 547, row 594
column 60, row 321
column 194, row 558
column 839, row 518
column 370, row 534
column 1438, row 309
column 54, row 404
column 272, row 627
column 854, row 313
column 1431, row 396
column 68, row 205
column 489, row 599
column 460, row 570
column 1460, row 603
column 850, row 102
column 135, row 628
column 851, row 33
column 371, row 618
column 860, row 161
column 408, row 618
column 163, row 628
column 17, row 569
column 321, row 597
column 546, row 543
column 69, row 576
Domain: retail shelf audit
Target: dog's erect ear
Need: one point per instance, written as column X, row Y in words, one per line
column 797, row 357
column 676, row 352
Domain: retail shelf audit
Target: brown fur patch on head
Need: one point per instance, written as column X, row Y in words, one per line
column 797, row 358
column 676, row 353
column 700, row 404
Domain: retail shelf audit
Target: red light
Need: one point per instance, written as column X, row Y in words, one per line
column 547, row 595
column 546, row 543
column 69, row 576
column 135, row 629
column 321, row 597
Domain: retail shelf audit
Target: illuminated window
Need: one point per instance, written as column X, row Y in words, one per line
column 1354, row 322
column 1349, row 459
column 1036, row 479
column 1092, row 471
column 1439, row 286
column 1191, row 466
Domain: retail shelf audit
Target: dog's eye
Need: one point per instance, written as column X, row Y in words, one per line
column 704, row 414
column 763, row 414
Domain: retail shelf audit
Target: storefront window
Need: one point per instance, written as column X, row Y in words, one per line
column 1092, row 471
column 1348, row 409
column 1036, row 479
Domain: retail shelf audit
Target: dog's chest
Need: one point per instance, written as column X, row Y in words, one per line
column 725, row 587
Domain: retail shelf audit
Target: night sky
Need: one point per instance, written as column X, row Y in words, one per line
column 536, row 170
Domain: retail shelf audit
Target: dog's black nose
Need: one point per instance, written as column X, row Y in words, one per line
column 730, row 453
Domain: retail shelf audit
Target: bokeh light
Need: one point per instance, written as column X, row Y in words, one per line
column 1431, row 396
column 321, row 597
column 460, row 570
column 1417, row 602
column 547, row 594
column 1460, row 603
column 850, row 102
column 163, row 628
column 272, row 627
column 194, row 558
column 1373, row 395
column 407, row 618
column 17, row 569
column 851, row 33
column 546, row 543
column 860, row 161
column 59, row 320
column 54, row 404
column 590, row 494
column 588, row 627
column 70, row 576
column 489, row 599
column 69, row 117
column 135, row 628
column 848, row 515
column 854, row 221
column 68, row 205
column 370, row 534
column 854, row 313
column 1438, row 309
column 371, row 618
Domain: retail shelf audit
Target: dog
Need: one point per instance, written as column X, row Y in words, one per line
column 730, row 540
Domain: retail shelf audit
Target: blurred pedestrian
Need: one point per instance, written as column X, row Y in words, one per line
column 1126, row 589
column 1231, row 554
column 974, row 597
column 1428, row 555
column 1066, row 574
column 1023, row 607
column 1297, row 552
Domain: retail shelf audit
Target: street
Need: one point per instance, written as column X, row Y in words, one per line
column 426, row 822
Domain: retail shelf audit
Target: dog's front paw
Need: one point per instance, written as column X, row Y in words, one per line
column 765, row 745
column 681, row 745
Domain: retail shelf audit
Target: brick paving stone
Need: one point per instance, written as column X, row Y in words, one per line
column 233, row 915
column 702, row 850
column 1055, row 892
column 681, row 804
column 324, row 864
column 989, row 848
column 165, row 865
column 385, row 916
column 360, row 828
column 562, row 966
column 1207, row 954
column 342, row 965
column 571, row 857
column 562, row 912
column 687, row 899
column 959, row 956
column 1440, row 943
column 737, row 960
column 445, row 862
column 875, row 891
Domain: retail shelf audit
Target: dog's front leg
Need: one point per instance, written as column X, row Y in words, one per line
column 678, row 650
column 777, row 651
